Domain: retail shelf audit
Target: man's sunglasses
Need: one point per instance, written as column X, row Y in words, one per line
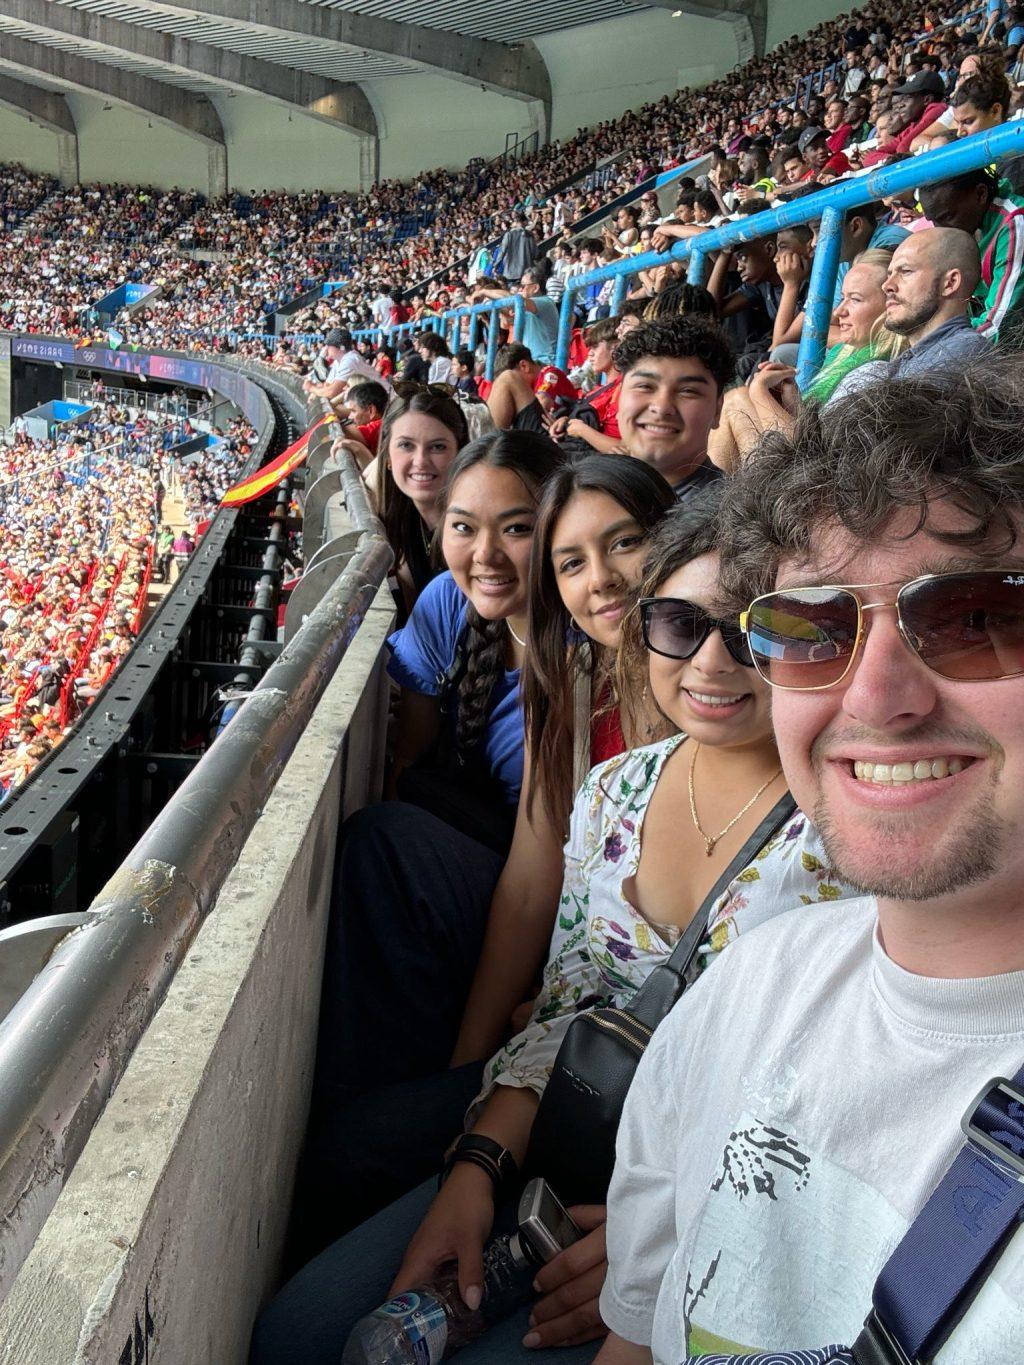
column 676, row 628
column 965, row 626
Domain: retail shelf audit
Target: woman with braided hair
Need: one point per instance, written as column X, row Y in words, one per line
column 414, row 876
column 459, row 655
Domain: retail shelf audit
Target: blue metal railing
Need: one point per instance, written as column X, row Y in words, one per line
column 828, row 206
column 449, row 325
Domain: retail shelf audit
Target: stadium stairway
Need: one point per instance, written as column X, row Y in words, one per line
column 25, row 225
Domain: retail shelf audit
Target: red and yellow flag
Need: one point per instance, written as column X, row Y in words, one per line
column 248, row 489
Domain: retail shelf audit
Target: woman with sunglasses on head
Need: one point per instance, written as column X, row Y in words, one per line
column 422, row 432
column 637, row 871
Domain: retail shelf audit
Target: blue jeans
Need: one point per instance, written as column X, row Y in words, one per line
column 309, row 1321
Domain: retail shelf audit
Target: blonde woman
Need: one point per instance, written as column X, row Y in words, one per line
column 771, row 399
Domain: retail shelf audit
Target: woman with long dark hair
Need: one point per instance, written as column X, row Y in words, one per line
column 415, row 876
column 422, row 432
column 469, row 625
column 596, row 515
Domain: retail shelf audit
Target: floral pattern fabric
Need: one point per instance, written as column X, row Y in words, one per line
column 602, row 948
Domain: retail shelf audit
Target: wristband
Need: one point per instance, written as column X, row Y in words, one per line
column 496, row 1161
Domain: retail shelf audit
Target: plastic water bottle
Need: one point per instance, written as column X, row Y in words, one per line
column 430, row 1324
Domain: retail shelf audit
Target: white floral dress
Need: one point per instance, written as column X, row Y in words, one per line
column 603, row 948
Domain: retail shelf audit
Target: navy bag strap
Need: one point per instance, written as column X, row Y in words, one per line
column 932, row 1277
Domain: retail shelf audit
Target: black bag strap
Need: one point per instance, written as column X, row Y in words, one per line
column 659, row 994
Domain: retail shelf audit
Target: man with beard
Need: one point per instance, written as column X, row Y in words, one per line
column 800, row 1104
column 928, row 289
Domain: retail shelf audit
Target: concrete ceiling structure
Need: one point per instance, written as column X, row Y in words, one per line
column 748, row 18
column 167, row 58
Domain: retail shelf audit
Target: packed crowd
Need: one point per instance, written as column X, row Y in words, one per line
column 223, row 267
column 21, row 191
column 756, row 132
column 77, row 518
column 203, row 482
column 80, row 542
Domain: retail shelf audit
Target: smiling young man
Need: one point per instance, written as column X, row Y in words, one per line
column 674, row 375
column 798, row 1107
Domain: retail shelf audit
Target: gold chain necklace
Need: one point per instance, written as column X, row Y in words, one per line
column 709, row 841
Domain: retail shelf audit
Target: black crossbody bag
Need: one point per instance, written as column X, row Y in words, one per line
column 572, row 1143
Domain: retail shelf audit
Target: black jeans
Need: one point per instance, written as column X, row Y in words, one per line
column 362, row 1156
column 409, row 907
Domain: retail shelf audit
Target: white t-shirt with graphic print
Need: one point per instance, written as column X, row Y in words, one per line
column 787, row 1122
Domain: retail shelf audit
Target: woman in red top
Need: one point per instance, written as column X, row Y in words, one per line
column 593, row 522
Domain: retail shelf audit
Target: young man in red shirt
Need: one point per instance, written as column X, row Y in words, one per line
column 916, row 105
column 819, row 158
column 524, row 393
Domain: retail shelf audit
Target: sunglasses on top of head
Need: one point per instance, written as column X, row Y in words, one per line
column 408, row 388
column 967, row 627
column 676, row 629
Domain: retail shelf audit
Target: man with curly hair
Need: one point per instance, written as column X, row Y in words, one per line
column 798, row 1107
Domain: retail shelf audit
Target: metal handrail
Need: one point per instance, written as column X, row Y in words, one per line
column 828, row 206
column 67, row 1041
column 447, row 324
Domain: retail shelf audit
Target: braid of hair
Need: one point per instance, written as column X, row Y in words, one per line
column 485, row 663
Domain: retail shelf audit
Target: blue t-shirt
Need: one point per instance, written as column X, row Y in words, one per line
column 424, row 650
column 1015, row 37
column 540, row 330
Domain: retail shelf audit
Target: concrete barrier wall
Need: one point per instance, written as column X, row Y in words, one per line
column 168, row 1234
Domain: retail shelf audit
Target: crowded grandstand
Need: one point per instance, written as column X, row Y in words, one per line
column 607, row 771
column 82, row 542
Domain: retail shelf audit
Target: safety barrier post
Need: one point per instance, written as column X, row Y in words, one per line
column 695, row 267
column 820, row 293
column 492, row 345
column 518, row 319
column 565, row 316
column 619, row 293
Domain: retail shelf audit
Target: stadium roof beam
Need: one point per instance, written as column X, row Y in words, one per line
column 344, row 105
column 50, row 110
column 749, row 19
column 193, row 115
column 515, row 70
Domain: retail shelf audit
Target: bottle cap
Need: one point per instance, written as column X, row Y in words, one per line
column 521, row 1251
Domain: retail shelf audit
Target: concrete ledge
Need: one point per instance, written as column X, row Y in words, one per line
column 168, row 1234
